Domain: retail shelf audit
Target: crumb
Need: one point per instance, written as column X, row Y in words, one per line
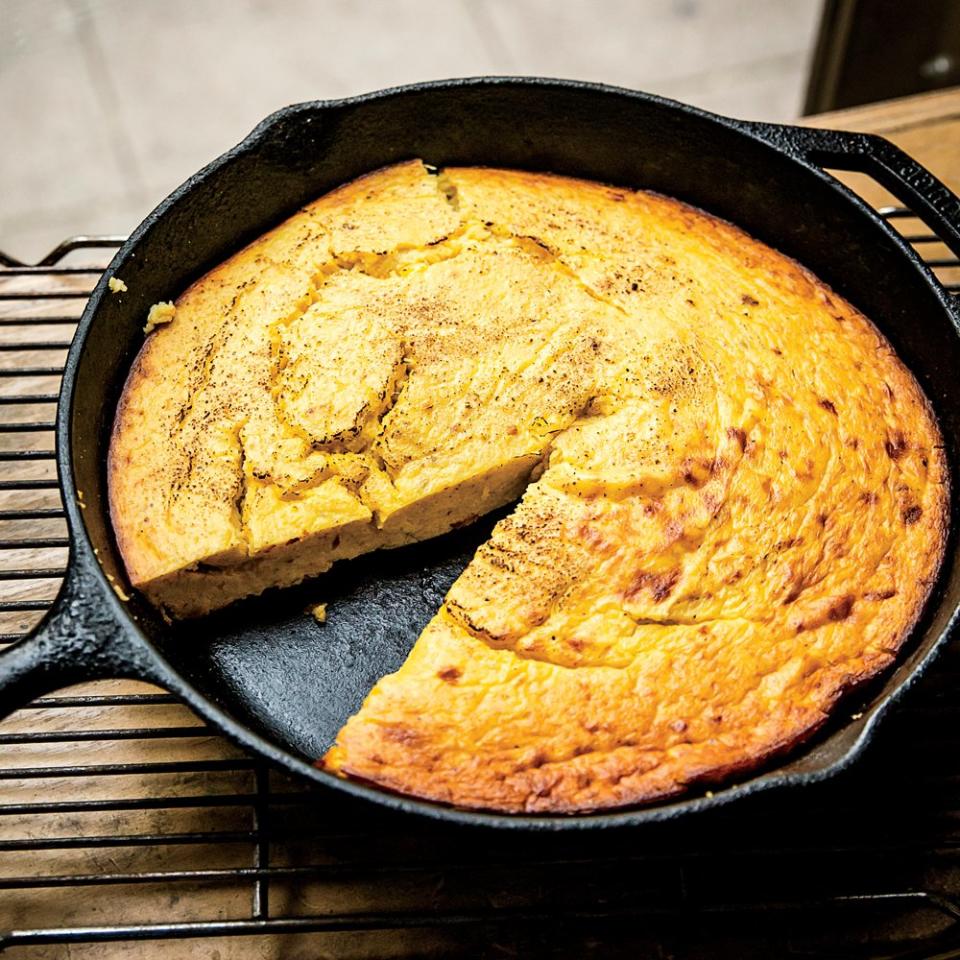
column 116, row 587
column 319, row 612
column 709, row 794
column 80, row 501
column 116, row 285
column 160, row 313
column 856, row 716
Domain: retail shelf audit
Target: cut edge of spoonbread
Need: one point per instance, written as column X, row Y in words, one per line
column 301, row 407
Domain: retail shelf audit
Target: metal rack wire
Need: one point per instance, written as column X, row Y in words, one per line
column 124, row 820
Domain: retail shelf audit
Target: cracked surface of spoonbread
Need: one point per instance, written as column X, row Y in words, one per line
column 734, row 495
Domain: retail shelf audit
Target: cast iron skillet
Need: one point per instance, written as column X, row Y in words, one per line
column 264, row 673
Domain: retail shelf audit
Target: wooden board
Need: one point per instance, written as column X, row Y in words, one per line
column 927, row 127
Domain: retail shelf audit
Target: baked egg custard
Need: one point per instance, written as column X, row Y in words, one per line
column 732, row 493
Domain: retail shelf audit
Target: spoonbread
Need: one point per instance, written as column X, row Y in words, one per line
column 732, row 494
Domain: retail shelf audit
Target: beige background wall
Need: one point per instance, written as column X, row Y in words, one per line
column 106, row 105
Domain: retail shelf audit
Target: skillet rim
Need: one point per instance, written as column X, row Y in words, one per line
column 158, row 669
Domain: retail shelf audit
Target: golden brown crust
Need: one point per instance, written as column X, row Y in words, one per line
column 633, row 654
column 741, row 493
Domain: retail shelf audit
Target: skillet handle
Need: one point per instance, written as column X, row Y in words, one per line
column 78, row 640
column 910, row 182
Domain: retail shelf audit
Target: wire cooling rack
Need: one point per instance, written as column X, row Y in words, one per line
column 128, row 828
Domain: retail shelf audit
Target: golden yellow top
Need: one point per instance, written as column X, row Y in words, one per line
column 734, row 494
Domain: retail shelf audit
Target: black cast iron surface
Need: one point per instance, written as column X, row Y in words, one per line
column 257, row 673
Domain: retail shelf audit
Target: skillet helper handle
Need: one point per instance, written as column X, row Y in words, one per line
column 910, row 182
column 79, row 639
